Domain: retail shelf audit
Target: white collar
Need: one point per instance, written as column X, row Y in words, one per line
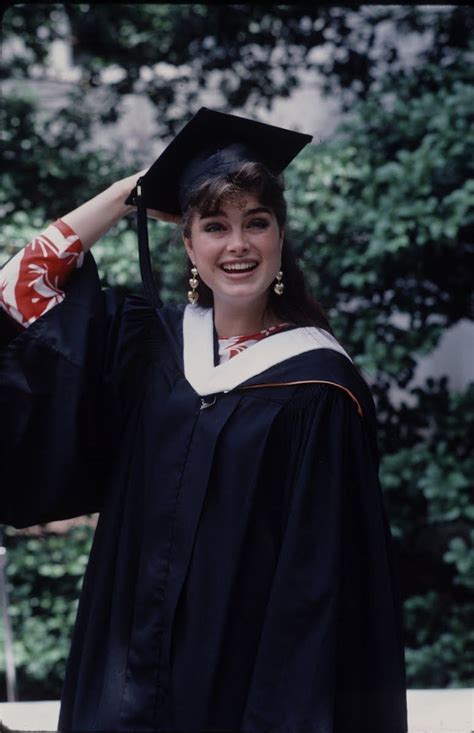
column 198, row 352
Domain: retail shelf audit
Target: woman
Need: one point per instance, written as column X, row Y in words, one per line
column 241, row 576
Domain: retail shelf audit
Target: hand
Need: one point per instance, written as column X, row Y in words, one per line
column 95, row 217
column 128, row 184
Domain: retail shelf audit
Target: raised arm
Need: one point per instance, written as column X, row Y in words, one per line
column 31, row 282
column 92, row 220
column 60, row 374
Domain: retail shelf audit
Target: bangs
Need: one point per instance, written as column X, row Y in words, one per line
column 212, row 195
column 250, row 178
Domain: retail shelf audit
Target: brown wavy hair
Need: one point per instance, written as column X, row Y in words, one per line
column 296, row 305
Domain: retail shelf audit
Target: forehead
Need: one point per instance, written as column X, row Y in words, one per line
column 235, row 203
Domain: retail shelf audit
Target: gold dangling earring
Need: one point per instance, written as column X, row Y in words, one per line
column 279, row 287
column 193, row 296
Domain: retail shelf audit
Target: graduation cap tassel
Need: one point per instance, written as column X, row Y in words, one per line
column 149, row 285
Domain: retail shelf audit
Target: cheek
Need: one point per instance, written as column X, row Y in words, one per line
column 205, row 255
column 273, row 247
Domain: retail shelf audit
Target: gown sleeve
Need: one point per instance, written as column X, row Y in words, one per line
column 330, row 657
column 31, row 282
column 59, row 411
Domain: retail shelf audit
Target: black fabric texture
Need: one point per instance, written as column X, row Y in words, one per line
column 242, row 576
column 166, row 184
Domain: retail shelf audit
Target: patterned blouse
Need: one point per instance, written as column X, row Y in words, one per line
column 31, row 283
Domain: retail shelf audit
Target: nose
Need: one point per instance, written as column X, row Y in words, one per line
column 237, row 243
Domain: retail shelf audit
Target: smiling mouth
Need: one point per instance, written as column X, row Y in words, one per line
column 239, row 267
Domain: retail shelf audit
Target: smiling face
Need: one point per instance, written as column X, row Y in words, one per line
column 237, row 251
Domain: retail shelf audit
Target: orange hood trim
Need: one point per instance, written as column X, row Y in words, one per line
column 309, row 381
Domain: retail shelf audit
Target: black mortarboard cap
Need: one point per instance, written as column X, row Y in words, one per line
column 211, row 143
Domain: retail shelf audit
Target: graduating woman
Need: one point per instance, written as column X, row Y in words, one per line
column 242, row 575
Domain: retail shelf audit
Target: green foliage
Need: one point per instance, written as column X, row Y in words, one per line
column 381, row 217
column 251, row 53
column 427, row 456
column 444, row 631
column 44, row 579
column 34, row 176
column 117, row 260
column 426, row 471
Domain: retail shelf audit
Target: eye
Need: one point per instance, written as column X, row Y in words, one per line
column 259, row 223
column 213, row 226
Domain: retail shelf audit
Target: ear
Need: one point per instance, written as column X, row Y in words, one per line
column 282, row 237
column 189, row 247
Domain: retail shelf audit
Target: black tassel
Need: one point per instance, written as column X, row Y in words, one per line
column 149, row 285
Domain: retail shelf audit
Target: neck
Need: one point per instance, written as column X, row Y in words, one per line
column 235, row 320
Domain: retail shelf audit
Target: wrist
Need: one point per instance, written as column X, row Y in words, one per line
column 120, row 191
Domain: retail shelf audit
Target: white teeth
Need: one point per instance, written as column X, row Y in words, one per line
column 239, row 266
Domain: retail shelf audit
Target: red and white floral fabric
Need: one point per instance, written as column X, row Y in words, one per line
column 31, row 282
column 229, row 347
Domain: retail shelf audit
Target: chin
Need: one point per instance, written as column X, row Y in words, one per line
column 239, row 296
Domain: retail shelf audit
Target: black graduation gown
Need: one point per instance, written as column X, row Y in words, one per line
column 242, row 575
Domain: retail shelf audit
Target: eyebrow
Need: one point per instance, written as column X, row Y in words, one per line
column 258, row 210
column 249, row 212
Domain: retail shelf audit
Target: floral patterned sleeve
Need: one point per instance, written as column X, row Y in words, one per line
column 31, row 282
